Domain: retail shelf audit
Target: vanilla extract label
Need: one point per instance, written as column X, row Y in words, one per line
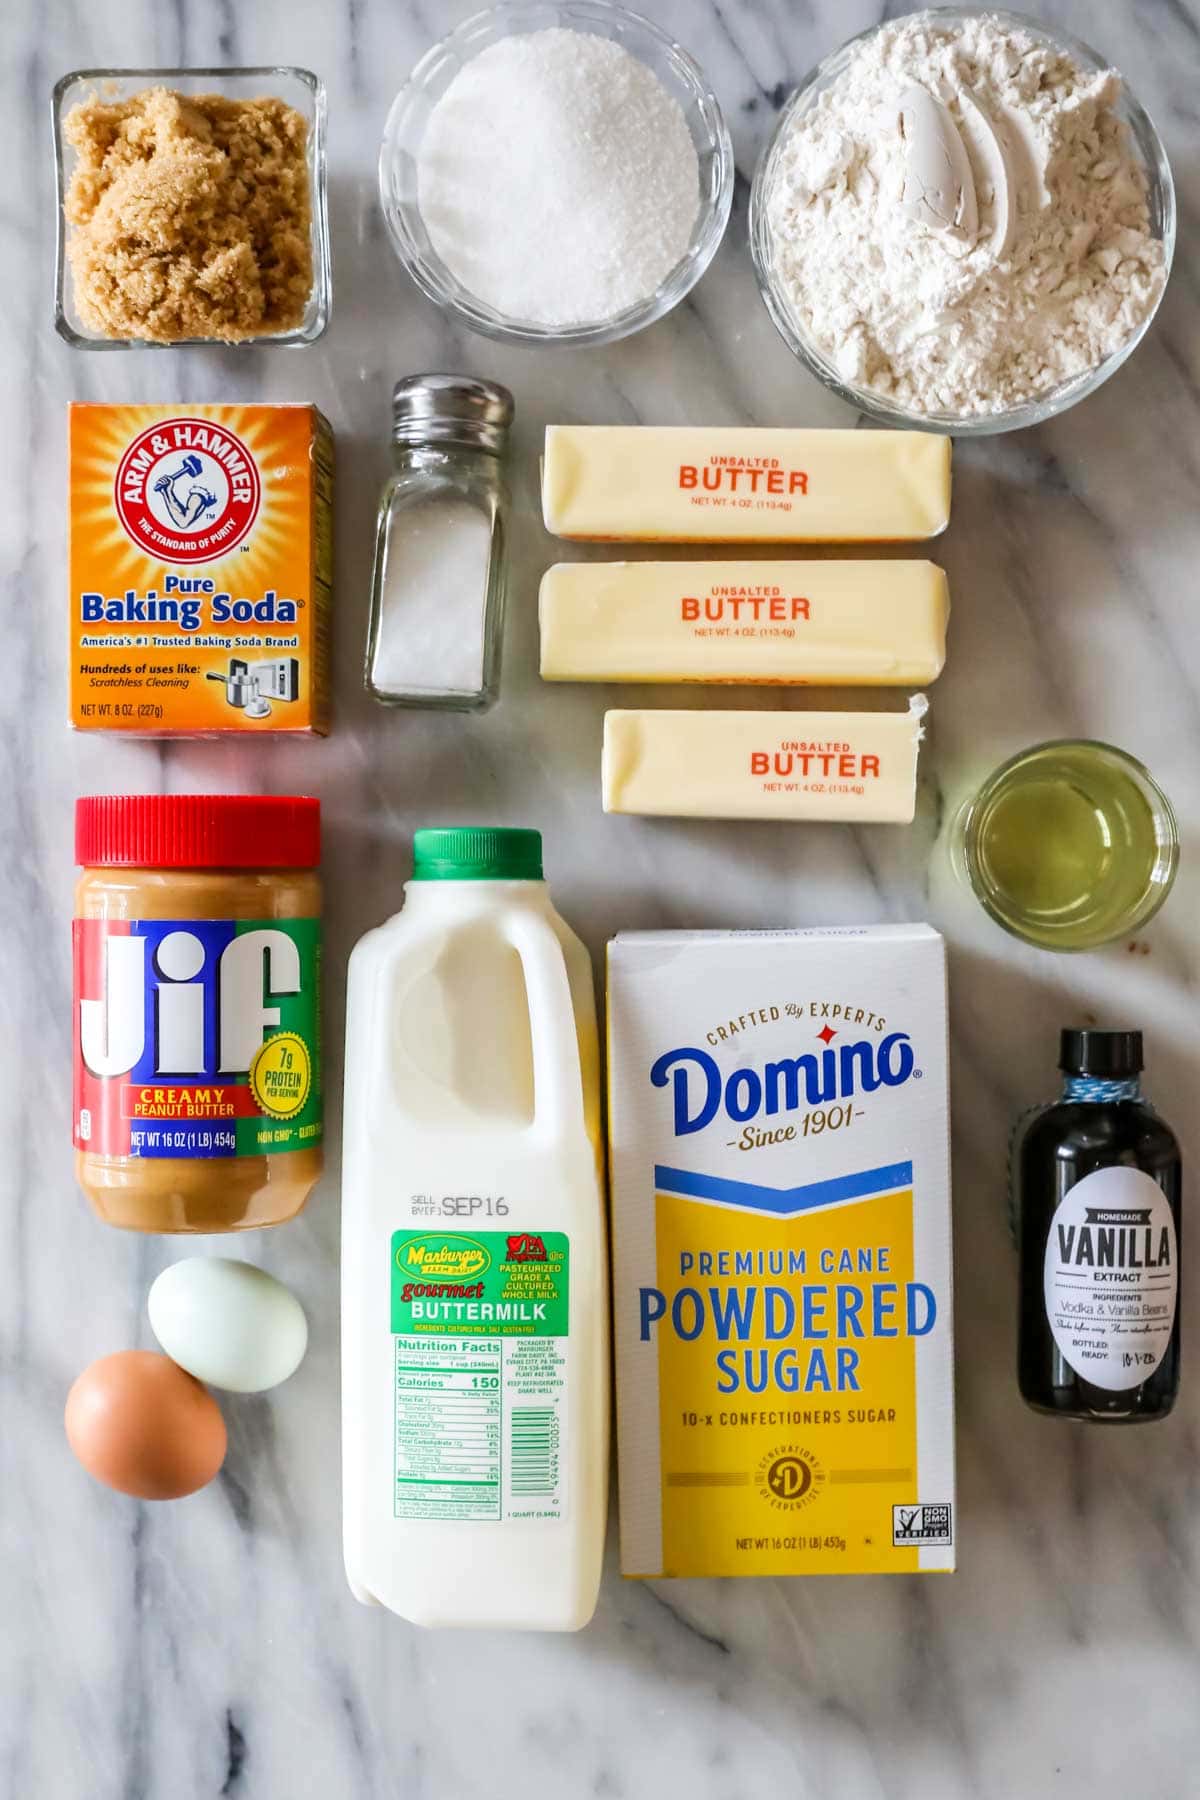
column 1111, row 1277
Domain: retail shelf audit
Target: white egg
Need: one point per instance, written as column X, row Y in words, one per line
column 228, row 1324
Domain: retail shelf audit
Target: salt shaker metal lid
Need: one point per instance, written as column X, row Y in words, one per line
column 451, row 409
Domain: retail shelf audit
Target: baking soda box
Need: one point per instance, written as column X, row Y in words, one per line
column 782, row 1268
column 200, row 568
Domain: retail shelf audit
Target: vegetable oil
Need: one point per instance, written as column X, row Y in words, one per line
column 1070, row 845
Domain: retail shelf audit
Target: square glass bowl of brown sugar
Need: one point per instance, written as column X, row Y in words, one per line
column 191, row 208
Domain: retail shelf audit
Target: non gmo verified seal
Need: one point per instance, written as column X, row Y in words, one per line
column 917, row 1525
column 187, row 491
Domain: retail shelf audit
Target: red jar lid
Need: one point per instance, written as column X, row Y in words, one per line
column 198, row 831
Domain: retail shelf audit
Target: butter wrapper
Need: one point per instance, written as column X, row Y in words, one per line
column 832, row 623
column 730, row 483
column 855, row 768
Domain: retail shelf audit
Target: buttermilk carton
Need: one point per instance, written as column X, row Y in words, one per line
column 200, row 569
column 782, row 1268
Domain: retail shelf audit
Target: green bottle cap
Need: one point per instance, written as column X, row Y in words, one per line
column 477, row 853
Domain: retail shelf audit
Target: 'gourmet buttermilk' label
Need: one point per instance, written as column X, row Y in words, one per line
column 780, row 1165
column 479, row 1341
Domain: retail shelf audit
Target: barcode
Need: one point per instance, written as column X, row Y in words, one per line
column 534, row 1444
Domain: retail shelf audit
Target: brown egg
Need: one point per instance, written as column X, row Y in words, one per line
column 139, row 1423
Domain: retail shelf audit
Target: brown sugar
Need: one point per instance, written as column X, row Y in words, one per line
column 191, row 216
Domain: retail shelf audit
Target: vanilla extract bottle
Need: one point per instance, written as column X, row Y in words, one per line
column 1097, row 1181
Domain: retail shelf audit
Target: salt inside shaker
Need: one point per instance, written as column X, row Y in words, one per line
column 437, row 591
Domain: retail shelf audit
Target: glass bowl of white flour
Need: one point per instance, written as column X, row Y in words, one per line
column 963, row 222
column 556, row 173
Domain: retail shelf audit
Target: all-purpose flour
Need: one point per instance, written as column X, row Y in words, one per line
column 557, row 178
column 1055, row 267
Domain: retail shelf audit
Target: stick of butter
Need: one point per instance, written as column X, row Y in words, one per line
column 866, row 624
column 686, row 484
column 860, row 767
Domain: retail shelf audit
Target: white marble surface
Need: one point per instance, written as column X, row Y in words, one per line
column 211, row 1647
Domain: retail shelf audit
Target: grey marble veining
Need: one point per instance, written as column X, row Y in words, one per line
column 211, row 1647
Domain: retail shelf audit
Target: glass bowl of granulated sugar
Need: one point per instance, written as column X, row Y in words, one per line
column 963, row 222
column 556, row 174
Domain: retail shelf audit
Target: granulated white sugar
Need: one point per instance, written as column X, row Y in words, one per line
column 557, row 178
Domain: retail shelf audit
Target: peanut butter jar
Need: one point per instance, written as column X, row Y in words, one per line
column 197, row 1009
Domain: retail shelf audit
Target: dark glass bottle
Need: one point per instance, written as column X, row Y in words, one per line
column 1097, row 1180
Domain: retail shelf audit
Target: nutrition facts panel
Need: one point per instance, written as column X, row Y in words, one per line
column 481, row 1411
column 448, row 1428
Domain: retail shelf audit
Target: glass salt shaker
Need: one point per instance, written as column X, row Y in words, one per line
column 438, row 587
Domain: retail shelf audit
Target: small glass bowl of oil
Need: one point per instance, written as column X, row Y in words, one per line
column 1069, row 845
